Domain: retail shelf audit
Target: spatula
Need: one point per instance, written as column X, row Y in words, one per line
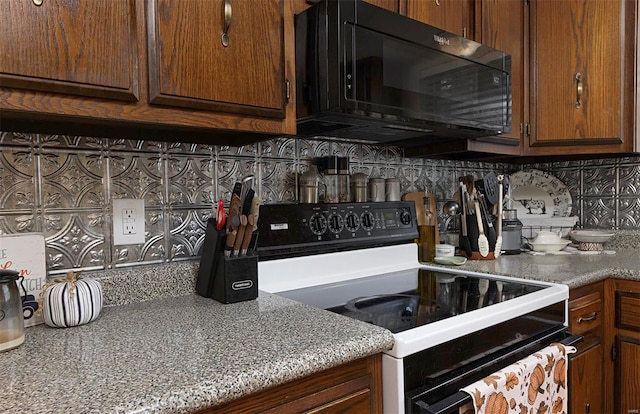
column 498, row 248
column 483, row 243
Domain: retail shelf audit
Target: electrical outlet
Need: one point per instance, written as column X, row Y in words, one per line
column 128, row 221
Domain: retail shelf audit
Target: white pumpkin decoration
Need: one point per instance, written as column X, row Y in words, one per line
column 71, row 301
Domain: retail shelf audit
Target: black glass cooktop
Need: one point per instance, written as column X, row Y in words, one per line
column 407, row 299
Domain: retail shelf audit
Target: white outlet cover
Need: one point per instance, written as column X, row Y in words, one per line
column 128, row 221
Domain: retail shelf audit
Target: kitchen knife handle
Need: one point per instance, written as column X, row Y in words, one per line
column 240, row 236
column 231, row 238
column 248, row 230
column 255, row 211
column 234, row 209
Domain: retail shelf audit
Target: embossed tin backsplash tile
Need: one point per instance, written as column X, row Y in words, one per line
column 63, row 185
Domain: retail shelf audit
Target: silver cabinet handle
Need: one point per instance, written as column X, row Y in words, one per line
column 579, row 89
column 592, row 317
column 227, row 22
column 38, row 2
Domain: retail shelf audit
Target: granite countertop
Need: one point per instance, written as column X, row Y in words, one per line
column 159, row 347
column 573, row 270
column 178, row 354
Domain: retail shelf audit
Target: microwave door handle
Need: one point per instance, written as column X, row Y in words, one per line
column 446, row 405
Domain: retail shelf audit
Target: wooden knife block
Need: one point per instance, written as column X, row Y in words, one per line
column 417, row 198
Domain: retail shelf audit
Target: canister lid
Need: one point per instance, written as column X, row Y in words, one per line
column 7, row 275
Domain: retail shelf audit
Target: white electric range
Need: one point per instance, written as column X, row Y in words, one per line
column 450, row 326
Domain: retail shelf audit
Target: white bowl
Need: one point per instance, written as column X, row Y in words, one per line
column 549, row 247
column 591, row 236
column 547, row 237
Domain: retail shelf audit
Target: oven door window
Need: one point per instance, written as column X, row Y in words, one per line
column 387, row 75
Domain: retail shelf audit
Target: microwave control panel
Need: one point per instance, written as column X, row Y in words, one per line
column 302, row 229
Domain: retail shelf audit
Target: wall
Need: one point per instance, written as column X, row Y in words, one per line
column 62, row 186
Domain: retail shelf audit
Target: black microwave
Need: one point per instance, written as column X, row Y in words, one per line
column 368, row 74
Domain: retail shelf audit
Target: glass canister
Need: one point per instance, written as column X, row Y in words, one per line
column 11, row 316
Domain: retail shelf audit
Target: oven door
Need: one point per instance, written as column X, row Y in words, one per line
column 442, row 395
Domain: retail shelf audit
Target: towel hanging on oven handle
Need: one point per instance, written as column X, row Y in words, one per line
column 460, row 398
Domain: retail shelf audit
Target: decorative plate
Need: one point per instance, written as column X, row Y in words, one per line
column 540, row 195
column 591, row 236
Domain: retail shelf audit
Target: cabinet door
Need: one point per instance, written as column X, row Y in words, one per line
column 581, row 73
column 585, row 381
column 189, row 66
column 501, row 26
column 76, row 47
column 627, row 386
column 449, row 15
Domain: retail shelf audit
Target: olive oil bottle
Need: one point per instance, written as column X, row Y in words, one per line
column 427, row 227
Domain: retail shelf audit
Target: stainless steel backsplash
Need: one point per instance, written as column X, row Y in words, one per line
column 62, row 186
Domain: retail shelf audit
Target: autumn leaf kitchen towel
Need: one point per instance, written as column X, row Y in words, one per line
column 537, row 383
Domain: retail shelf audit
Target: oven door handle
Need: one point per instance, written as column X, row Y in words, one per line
column 460, row 398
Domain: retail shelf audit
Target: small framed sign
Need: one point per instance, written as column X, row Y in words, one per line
column 25, row 253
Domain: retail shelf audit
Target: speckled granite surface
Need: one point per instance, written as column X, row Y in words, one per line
column 178, row 354
column 165, row 349
column 573, row 270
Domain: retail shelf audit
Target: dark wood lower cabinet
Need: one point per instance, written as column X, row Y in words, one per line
column 355, row 387
column 585, row 376
column 627, row 389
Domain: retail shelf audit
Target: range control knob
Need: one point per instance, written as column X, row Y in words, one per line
column 405, row 217
column 368, row 221
column 352, row 222
column 318, row 224
column 336, row 223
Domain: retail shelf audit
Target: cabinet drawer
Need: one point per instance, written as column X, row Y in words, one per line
column 628, row 310
column 586, row 317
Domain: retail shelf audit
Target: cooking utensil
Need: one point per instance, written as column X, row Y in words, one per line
column 488, row 185
column 234, row 210
column 247, row 183
column 221, row 215
column 231, row 239
column 248, row 200
column 491, row 231
column 248, row 231
column 497, row 251
column 451, row 208
column 240, row 236
column 483, row 243
column 255, row 211
column 465, row 243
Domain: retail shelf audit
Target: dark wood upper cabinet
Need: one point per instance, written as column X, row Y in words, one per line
column 582, row 63
column 85, row 48
column 190, row 67
column 501, row 25
column 453, row 16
